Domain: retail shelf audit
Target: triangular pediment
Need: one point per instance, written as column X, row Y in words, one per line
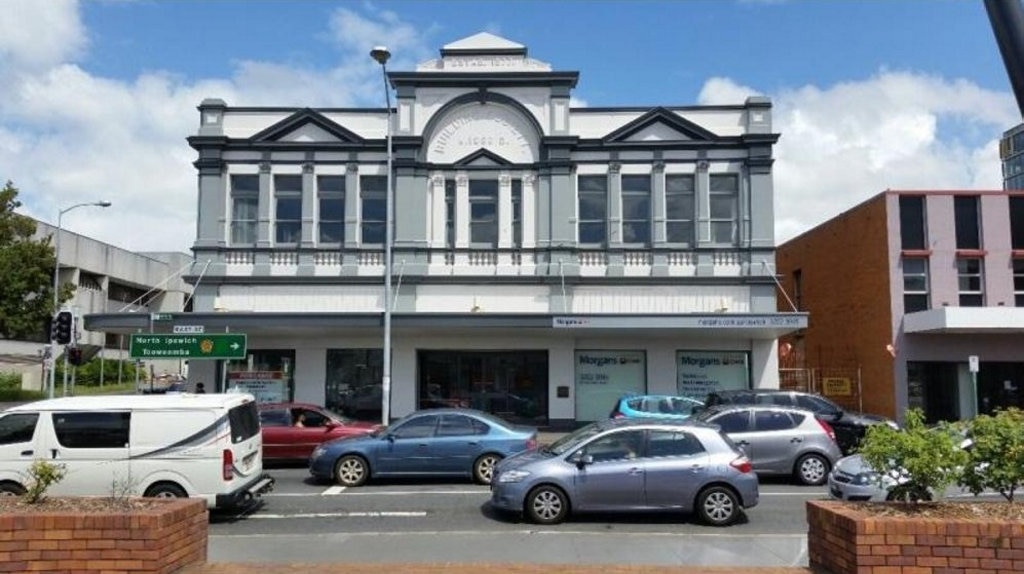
column 660, row 125
column 304, row 126
column 483, row 42
column 482, row 158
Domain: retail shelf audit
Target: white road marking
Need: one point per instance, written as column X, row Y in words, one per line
column 371, row 514
column 341, row 490
column 505, row 533
column 333, row 490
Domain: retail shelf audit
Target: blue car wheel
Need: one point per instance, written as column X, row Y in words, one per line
column 351, row 470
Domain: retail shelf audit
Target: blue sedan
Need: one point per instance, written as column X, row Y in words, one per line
column 431, row 442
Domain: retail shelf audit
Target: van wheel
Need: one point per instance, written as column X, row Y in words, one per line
column 165, row 490
column 547, row 505
column 351, row 470
column 812, row 469
column 718, row 506
column 11, row 489
column 483, row 468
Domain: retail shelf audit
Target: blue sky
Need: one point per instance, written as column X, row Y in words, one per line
column 99, row 96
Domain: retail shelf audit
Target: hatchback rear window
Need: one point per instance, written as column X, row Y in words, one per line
column 245, row 422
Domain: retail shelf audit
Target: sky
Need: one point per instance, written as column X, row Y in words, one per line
column 97, row 97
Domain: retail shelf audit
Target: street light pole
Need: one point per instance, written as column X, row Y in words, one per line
column 381, row 55
column 51, row 376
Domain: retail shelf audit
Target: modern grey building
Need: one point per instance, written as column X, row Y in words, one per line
column 547, row 258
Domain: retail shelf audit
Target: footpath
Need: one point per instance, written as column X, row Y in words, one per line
column 481, row 568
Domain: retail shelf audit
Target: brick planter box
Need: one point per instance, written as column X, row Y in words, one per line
column 842, row 539
column 165, row 538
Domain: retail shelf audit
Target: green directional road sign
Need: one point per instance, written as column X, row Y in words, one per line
column 213, row 346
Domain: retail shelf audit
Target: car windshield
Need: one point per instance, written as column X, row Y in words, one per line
column 573, row 439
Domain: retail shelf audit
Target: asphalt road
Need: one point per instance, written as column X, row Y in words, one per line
column 446, row 521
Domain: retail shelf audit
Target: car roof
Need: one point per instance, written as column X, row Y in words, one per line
column 636, row 396
column 137, row 402
column 715, row 409
column 607, row 424
column 284, row 405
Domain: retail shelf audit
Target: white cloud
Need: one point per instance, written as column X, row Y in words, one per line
column 845, row 143
column 36, row 35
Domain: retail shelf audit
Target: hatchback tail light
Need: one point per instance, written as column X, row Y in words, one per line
column 828, row 429
column 227, row 465
column 742, row 464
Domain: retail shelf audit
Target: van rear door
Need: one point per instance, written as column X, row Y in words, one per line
column 245, row 461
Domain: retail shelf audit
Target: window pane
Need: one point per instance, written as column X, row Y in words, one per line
column 335, row 183
column 679, row 183
column 723, row 207
column 289, row 208
column 483, row 232
column 592, row 232
column 482, row 211
column 965, row 209
column 738, row 421
column 772, row 421
column 723, row 232
column 244, row 208
column 332, row 232
column 593, row 207
column 373, row 233
column 679, row 206
column 373, row 183
column 915, row 283
column 729, row 182
column 288, row 183
column 18, row 427
column 288, row 232
column 679, row 232
column 913, row 303
column 1017, row 222
column 92, row 429
column 636, row 207
column 968, row 265
column 636, row 183
column 332, row 209
column 636, row 232
column 912, row 222
column 483, row 188
column 419, row 427
column 914, row 265
column 597, row 183
column 374, row 209
column 245, row 183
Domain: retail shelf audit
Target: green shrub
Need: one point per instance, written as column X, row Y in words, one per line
column 88, row 375
column 10, row 381
column 18, row 395
column 42, row 476
column 996, row 459
column 921, row 459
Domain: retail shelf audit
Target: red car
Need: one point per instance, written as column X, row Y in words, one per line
column 292, row 430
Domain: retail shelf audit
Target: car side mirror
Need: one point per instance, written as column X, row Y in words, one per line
column 582, row 460
column 330, row 425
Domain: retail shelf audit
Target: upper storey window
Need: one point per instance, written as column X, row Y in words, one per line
column 724, row 192
column 517, row 213
column 245, row 193
column 593, row 209
column 483, row 212
column 636, row 209
column 679, row 208
column 965, row 215
column 331, row 195
column 1017, row 222
column 912, row 223
column 288, row 208
column 373, row 193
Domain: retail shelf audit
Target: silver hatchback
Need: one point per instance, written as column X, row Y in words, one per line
column 779, row 440
column 629, row 464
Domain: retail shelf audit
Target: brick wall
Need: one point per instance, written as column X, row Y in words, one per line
column 844, row 540
column 165, row 538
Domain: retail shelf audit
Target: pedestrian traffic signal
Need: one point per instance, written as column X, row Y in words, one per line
column 75, row 356
column 65, row 326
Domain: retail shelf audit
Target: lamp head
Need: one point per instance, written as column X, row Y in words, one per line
column 380, row 54
column 103, row 203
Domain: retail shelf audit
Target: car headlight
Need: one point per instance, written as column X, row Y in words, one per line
column 893, row 425
column 513, row 476
column 865, row 478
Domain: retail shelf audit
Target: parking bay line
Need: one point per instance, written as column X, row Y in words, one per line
column 340, row 490
column 355, row 514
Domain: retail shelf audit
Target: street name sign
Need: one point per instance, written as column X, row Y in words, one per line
column 188, row 329
column 211, row 346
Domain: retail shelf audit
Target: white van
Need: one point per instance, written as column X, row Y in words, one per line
column 205, row 446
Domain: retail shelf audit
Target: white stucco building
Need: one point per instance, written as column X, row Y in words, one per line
column 547, row 259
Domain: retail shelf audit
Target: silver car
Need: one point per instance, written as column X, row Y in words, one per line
column 629, row 464
column 779, row 440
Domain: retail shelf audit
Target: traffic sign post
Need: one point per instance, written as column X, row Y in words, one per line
column 972, row 365
column 212, row 346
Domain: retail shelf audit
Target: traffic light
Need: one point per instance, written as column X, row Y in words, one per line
column 64, row 327
column 74, row 356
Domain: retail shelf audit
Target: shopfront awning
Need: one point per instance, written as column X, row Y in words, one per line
column 966, row 320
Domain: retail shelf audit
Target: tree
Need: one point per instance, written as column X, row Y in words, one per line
column 26, row 268
column 997, row 454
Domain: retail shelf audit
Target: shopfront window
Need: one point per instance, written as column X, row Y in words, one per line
column 602, row 377
column 701, row 372
column 512, row 385
column 353, row 385
column 265, row 373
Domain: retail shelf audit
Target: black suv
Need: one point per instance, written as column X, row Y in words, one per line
column 849, row 426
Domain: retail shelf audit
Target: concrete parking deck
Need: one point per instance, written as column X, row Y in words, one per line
column 471, row 568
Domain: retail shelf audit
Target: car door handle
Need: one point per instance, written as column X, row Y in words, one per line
column 743, row 443
column 423, row 445
column 796, row 439
column 635, row 471
column 26, row 453
column 53, row 453
column 473, row 443
column 697, row 467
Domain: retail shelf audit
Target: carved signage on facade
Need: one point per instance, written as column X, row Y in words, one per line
column 492, row 127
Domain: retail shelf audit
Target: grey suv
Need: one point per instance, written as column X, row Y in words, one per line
column 779, row 440
column 849, row 426
column 629, row 464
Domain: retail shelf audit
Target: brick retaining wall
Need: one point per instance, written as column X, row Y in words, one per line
column 844, row 540
column 164, row 539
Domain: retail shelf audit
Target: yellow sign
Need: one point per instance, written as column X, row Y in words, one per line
column 836, row 386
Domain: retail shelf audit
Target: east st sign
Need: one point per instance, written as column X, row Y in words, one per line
column 213, row 346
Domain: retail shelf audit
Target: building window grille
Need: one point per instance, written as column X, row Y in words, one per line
column 636, row 209
column 374, row 196
column 912, row 222
column 970, row 282
column 517, row 213
column 724, row 191
column 483, row 212
column 331, row 195
column 915, row 284
column 245, row 196
column 449, row 213
column 592, row 195
column 679, row 209
column 965, row 214
column 288, row 208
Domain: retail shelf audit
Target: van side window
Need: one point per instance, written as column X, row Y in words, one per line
column 245, row 422
column 95, row 429
column 18, row 427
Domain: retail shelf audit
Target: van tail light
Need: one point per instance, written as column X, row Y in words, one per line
column 742, row 464
column 531, row 443
column 227, row 465
column 828, row 429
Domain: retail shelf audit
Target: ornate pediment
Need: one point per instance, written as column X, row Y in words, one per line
column 482, row 158
column 660, row 125
column 307, row 126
